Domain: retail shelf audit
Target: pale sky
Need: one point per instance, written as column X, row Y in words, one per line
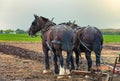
column 100, row 13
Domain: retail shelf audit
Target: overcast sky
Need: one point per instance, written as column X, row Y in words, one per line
column 100, row 13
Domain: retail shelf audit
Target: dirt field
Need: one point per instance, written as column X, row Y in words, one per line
column 25, row 61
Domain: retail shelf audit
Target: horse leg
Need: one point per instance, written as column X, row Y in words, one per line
column 89, row 60
column 68, row 60
column 58, row 53
column 97, row 47
column 72, row 63
column 98, row 60
column 77, row 53
column 97, row 50
column 98, row 54
column 61, row 60
column 47, row 66
column 56, row 70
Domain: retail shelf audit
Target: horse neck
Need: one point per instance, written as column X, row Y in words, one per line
column 46, row 28
column 47, row 25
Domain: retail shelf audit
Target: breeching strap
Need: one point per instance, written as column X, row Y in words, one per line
column 85, row 46
column 102, row 58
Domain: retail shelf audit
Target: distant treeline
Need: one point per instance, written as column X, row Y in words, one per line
column 9, row 31
column 111, row 31
column 20, row 31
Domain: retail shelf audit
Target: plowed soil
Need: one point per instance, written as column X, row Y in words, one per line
column 24, row 61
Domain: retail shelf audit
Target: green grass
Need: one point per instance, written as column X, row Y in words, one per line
column 19, row 37
column 111, row 38
column 26, row 38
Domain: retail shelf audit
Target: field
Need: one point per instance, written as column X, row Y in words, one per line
column 23, row 59
column 26, row 38
column 19, row 37
column 111, row 38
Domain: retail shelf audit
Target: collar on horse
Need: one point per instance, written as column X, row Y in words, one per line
column 46, row 27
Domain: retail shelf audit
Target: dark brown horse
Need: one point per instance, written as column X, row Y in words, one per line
column 56, row 38
column 88, row 39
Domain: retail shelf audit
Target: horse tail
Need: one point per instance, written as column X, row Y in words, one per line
column 98, row 42
column 97, row 47
column 66, row 43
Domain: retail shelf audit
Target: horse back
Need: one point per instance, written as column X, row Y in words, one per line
column 64, row 37
column 90, row 37
column 89, row 33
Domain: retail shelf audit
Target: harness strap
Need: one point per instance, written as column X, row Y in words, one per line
column 51, row 52
column 85, row 46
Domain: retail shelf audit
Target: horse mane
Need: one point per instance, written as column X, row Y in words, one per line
column 47, row 24
column 45, row 19
column 67, row 23
column 71, row 25
column 48, row 21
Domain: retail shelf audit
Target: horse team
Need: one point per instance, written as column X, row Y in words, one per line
column 67, row 37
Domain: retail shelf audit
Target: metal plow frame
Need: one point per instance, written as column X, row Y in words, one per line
column 77, row 75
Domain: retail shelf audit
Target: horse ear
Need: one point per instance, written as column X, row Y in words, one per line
column 69, row 21
column 36, row 17
column 52, row 19
column 72, row 23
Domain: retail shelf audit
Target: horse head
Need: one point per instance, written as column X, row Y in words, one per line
column 38, row 24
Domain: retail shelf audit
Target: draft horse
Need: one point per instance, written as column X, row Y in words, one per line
column 58, row 38
column 89, row 39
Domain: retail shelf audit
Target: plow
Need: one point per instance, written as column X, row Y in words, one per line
column 97, row 73
column 94, row 75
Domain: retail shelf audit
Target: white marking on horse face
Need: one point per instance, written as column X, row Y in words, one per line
column 62, row 71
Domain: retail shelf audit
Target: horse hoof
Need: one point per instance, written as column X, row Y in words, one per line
column 60, row 77
column 78, row 68
column 56, row 72
column 69, row 77
column 47, row 71
column 86, row 76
